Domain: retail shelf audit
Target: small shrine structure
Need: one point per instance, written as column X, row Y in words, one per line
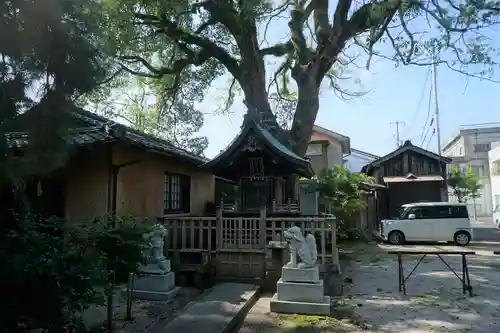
column 260, row 160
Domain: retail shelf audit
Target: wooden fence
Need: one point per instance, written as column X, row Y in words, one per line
column 238, row 245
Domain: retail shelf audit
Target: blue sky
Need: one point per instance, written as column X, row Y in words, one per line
column 393, row 94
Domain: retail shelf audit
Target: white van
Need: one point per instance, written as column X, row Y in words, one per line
column 429, row 221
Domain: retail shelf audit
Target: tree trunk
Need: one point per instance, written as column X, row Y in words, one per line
column 305, row 113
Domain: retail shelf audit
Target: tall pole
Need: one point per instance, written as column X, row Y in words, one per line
column 397, row 123
column 438, row 128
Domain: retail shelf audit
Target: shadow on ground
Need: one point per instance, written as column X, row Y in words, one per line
column 435, row 302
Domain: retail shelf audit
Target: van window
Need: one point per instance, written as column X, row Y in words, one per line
column 420, row 212
column 459, row 212
column 438, row 212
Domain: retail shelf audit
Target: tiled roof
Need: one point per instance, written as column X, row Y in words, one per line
column 96, row 128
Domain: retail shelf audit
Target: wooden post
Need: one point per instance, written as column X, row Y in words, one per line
column 289, row 204
column 273, row 209
column 262, row 239
column 219, row 226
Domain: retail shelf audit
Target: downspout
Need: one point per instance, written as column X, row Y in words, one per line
column 114, row 171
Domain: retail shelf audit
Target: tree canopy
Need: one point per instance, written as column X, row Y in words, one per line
column 49, row 53
column 464, row 184
column 184, row 45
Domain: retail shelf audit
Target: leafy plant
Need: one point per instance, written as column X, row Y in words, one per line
column 340, row 195
column 45, row 280
column 464, row 184
column 120, row 247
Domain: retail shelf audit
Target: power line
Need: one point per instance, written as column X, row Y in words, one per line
column 420, row 99
column 430, row 139
column 429, row 102
column 397, row 122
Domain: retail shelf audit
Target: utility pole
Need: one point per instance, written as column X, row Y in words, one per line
column 397, row 123
column 436, row 105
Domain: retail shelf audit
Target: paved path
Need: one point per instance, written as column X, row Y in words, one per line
column 214, row 312
column 435, row 302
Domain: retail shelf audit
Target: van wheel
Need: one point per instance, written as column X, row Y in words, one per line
column 396, row 238
column 462, row 238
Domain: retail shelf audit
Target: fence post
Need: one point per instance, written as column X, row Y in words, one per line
column 262, row 238
column 219, row 227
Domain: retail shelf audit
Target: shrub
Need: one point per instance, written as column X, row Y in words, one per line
column 53, row 270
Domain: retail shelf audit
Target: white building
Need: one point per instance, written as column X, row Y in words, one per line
column 471, row 147
column 494, row 165
column 358, row 159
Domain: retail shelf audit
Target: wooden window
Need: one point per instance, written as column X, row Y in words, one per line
column 176, row 195
column 314, row 149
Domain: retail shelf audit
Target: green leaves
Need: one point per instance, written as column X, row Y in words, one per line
column 465, row 184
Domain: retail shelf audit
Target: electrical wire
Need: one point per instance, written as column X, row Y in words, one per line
column 420, row 99
column 430, row 139
column 424, row 128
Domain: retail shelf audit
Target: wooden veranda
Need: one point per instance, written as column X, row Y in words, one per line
column 238, row 246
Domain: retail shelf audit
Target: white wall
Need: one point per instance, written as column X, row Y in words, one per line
column 355, row 161
column 494, row 162
column 472, row 149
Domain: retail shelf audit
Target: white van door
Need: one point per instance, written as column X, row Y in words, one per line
column 444, row 223
column 448, row 220
column 419, row 226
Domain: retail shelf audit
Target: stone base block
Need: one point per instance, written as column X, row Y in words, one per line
column 300, row 292
column 155, row 283
column 295, row 274
column 153, row 295
column 313, row 309
column 161, row 268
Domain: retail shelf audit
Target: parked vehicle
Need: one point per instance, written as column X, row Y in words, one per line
column 429, row 221
column 496, row 216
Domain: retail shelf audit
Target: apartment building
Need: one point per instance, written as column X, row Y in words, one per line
column 494, row 165
column 471, row 147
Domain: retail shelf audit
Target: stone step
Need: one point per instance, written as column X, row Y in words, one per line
column 300, row 292
column 317, row 309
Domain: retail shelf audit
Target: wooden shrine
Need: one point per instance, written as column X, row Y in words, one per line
column 260, row 161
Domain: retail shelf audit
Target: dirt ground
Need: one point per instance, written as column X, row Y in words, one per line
column 371, row 302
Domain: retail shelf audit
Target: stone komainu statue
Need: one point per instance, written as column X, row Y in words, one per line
column 302, row 247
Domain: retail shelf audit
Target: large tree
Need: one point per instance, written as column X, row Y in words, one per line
column 186, row 44
column 48, row 54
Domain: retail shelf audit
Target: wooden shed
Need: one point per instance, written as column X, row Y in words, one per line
column 411, row 174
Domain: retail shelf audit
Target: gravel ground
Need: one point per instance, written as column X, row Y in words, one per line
column 435, row 302
column 145, row 313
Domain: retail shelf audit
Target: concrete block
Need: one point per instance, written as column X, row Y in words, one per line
column 314, row 309
column 154, row 295
column 300, row 292
column 295, row 274
column 155, row 283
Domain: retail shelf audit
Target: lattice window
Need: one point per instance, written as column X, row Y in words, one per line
column 256, row 167
column 176, row 195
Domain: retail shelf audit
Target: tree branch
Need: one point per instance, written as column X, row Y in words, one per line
column 208, row 48
column 278, row 50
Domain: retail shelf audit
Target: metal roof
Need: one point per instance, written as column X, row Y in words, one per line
column 430, row 178
column 250, row 125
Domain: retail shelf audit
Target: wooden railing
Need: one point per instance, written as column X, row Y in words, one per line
column 277, row 207
column 245, row 234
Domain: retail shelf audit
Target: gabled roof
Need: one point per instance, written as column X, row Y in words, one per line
column 345, row 141
column 91, row 128
column 407, row 146
column 269, row 140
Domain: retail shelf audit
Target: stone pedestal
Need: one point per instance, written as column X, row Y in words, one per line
column 157, row 283
column 301, row 291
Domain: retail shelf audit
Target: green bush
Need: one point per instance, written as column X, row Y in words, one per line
column 53, row 270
